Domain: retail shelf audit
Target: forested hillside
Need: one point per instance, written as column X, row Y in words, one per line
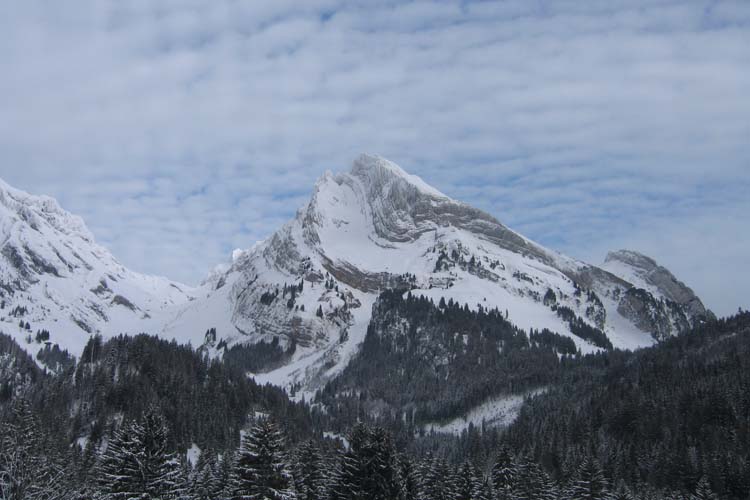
column 670, row 421
column 663, row 417
column 205, row 401
column 422, row 361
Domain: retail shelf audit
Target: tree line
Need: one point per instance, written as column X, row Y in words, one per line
column 136, row 463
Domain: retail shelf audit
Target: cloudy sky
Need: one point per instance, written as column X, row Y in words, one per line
column 181, row 130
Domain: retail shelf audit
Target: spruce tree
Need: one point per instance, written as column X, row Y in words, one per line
column 226, row 474
column 28, row 468
column 703, row 491
column 309, row 477
column 532, row 483
column 504, row 473
column 137, row 464
column 409, row 479
column 436, row 480
column 261, row 471
column 368, row 469
column 206, row 481
column 469, row 485
column 588, row 483
column 118, row 470
column 622, row 493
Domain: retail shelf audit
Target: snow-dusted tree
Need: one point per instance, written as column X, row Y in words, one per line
column 409, row 479
column 261, row 471
column 368, row 469
column 588, row 483
column 703, row 490
column 469, row 484
column 27, row 469
column 118, row 469
column 532, row 482
column 436, row 480
column 136, row 463
column 622, row 493
column 309, row 477
column 226, row 473
column 206, row 480
column 504, row 473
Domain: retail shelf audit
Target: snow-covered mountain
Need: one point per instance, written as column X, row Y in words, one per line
column 55, row 278
column 313, row 283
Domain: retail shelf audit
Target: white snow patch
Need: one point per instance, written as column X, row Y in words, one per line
column 495, row 412
column 337, row 437
column 81, row 442
column 193, row 454
column 236, row 254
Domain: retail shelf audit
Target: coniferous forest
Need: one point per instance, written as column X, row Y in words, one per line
column 125, row 420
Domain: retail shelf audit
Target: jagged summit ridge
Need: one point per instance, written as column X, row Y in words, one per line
column 375, row 172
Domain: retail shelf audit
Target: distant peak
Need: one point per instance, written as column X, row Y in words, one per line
column 376, row 170
column 44, row 207
column 632, row 258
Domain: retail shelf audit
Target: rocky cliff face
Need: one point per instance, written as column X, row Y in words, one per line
column 656, row 301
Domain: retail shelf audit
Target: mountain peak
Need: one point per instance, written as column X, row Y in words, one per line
column 632, row 258
column 32, row 209
column 376, row 171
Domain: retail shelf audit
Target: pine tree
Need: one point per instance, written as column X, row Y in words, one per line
column 622, row 493
column 436, row 481
column 206, row 481
column 183, row 482
column 369, row 468
column 160, row 468
column 261, row 471
column 588, row 483
column 309, row 478
column 533, row 482
column 118, row 473
column 469, row 485
column 409, row 479
column 703, row 491
column 137, row 464
column 226, row 473
column 504, row 473
column 28, row 469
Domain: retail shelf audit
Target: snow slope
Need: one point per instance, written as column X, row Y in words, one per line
column 495, row 412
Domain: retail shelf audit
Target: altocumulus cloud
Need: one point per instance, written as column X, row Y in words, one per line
column 181, row 130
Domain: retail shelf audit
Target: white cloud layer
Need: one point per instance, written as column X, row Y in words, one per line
column 181, row 130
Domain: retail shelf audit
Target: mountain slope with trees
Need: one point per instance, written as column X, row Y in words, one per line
column 671, row 421
column 664, row 417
